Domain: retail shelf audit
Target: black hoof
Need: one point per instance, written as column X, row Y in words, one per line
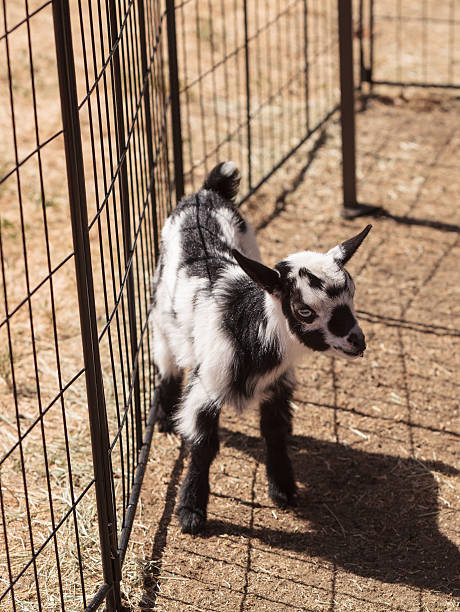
column 191, row 520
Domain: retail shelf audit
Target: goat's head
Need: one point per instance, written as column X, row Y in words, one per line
column 316, row 296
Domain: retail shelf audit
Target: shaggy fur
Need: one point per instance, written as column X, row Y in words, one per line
column 238, row 328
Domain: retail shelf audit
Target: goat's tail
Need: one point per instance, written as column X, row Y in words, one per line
column 224, row 179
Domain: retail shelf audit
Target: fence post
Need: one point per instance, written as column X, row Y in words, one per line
column 347, row 104
column 175, row 102
column 86, row 301
column 370, row 71
column 365, row 71
column 126, row 218
column 350, row 206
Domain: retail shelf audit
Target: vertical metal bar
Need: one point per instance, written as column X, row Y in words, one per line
column 350, row 206
column 366, row 54
column 87, row 309
column 175, row 102
column 248, row 92
column 307, row 66
column 362, row 68
column 370, row 70
column 126, row 218
column 347, row 103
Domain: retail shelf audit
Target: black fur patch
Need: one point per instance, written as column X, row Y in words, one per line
column 194, row 492
column 335, row 290
column 206, row 422
column 240, row 222
column 205, row 254
column 314, row 339
column 284, row 268
column 243, row 314
column 276, row 426
column 226, row 186
column 313, row 280
column 341, row 321
column 169, row 395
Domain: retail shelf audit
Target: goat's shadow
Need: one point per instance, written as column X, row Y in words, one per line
column 372, row 514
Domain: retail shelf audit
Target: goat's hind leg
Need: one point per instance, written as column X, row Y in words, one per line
column 169, row 394
column 170, row 389
column 276, row 426
column 198, row 420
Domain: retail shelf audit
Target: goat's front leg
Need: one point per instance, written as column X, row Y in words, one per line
column 276, row 426
column 198, row 424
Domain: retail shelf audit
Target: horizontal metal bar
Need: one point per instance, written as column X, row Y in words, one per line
column 445, row 21
column 138, row 478
column 415, row 84
column 98, row 599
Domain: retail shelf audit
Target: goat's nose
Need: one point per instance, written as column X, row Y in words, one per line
column 357, row 339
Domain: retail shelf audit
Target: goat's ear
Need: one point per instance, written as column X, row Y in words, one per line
column 265, row 277
column 344, row 251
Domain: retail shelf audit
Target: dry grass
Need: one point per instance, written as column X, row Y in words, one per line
column 278, row 118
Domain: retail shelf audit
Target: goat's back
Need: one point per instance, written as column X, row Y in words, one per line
column 195, row 263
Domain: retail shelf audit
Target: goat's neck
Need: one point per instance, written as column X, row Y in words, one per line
column 278, row 329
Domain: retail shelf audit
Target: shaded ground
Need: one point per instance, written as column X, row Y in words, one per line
column 375, row 441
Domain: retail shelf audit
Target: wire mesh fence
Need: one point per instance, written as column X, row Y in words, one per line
column 410, row 43
column 109, row 110
column 256, row 80
column 86, row 176
column 71, row 275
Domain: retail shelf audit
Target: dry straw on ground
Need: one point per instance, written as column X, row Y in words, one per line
column 374, row 445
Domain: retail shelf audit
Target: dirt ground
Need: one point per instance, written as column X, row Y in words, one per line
column 374, row 447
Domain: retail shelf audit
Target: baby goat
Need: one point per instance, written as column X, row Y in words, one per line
column 238, row 327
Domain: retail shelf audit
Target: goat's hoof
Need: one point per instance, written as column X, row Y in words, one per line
column 191, row 520
column 283, row 499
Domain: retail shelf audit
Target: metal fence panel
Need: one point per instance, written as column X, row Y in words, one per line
column 50, row 556
column 86, row 182
column 256, row 80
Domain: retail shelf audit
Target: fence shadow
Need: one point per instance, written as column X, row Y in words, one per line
column 372, row 514
column 383, row 213
column 432, row 223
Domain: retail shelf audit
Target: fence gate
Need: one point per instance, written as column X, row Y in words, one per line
column 109, row 110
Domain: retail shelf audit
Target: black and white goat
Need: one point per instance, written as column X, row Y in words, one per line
column 238, row 327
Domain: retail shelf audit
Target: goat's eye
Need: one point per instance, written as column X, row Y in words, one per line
column 307, row 314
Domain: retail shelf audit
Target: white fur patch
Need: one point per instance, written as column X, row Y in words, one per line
column 321, row 265
column 228, row 168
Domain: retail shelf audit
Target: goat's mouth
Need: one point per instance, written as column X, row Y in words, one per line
column 351, row 354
